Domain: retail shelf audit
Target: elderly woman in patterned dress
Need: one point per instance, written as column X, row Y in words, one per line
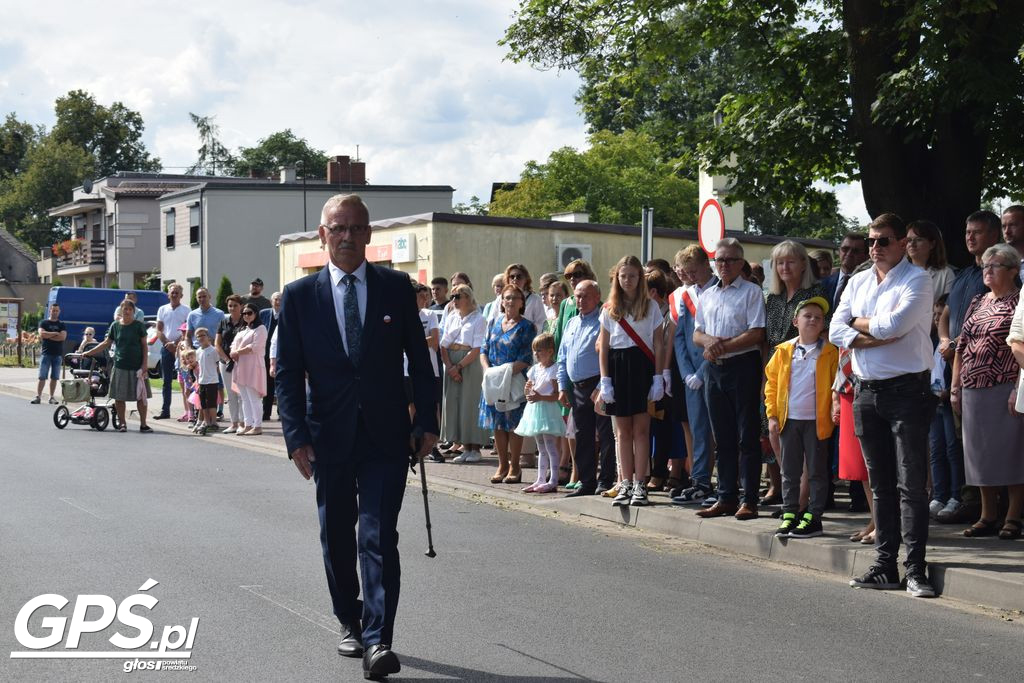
column 984, row 385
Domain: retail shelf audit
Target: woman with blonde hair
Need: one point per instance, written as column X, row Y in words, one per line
column 631, row 363
column 460, row 353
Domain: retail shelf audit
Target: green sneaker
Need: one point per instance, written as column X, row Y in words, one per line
column 808, row 527
column 788, row 524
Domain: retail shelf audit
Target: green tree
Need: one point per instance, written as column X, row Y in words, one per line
column 213, row 155
column 16, row 138
column 280, row 149
column 196, row 284
column 52, row 168
column 612, row 181
column 917, row 99
column 112, row 135
column 223, row 292
column 473, row 207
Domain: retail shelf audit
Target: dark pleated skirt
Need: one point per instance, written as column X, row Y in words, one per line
column 631, row 374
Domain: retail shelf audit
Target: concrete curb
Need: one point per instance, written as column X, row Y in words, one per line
column 827, row 554
column 831, row 554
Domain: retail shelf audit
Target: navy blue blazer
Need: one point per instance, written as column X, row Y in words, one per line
column 341, row 394
column 829, row 284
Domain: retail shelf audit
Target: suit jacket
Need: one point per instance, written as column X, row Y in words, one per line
column 689, row 356
column 267, row 318
column 340, row 394
column 829, row 284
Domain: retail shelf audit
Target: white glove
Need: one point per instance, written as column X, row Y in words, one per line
column 694, row 382
column 666, row 377
column 605, row 390
column 657, row 389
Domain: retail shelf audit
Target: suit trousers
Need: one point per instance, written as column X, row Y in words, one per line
column 589, row 428
column 368, row 489
column 732, row 391
column 268, row 399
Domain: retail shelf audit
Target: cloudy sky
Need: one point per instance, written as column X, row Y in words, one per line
column 419, row 85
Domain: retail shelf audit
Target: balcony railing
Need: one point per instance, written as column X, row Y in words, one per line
column 89, row 253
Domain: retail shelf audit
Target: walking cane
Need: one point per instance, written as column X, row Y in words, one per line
column 426, row 504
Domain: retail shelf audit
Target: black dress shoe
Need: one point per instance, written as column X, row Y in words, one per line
column 576, row 493
column 379, row 661
column 162, row 416
column 351, row 644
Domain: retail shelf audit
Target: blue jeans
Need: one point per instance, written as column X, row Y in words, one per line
column 169, row 375
column 49, row 364
column 947, row 455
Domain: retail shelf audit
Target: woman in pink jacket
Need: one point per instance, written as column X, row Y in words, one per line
column 249, row 377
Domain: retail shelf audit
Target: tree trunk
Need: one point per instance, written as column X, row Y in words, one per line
column 938, row 175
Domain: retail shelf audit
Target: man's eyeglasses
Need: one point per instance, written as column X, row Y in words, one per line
column 727, row 260
column 338, row 230
column 881, row 242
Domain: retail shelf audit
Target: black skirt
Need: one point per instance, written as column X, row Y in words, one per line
column 631, row 372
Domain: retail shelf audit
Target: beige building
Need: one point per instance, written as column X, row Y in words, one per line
column 431, row 244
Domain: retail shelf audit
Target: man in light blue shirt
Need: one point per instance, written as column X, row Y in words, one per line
column 206, row 316
column 578, row 374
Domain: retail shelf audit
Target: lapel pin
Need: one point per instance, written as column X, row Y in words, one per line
column 387, row 319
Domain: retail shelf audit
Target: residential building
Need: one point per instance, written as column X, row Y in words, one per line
column 17, row 259
column 431, row 244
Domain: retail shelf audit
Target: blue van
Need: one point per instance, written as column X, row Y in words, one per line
column 82, row 307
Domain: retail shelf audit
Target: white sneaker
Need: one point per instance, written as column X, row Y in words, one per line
column 639, row 494
column 471, row 456
column 953, row 508
column 625, row 493
column 934, row 508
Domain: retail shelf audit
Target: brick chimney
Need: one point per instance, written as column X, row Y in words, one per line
column 341, row 170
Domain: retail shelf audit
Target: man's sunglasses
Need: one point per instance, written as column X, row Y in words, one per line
column 882, row 242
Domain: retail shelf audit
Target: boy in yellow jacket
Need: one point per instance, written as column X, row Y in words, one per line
column 798, row 400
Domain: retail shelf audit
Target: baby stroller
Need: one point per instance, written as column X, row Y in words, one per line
column 89, row 381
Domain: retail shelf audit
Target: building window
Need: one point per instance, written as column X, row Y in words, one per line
column 169, row 229
column 193, row 224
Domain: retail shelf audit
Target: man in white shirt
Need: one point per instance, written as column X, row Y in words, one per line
column 169, row 319
column 730, row 327
column 885, row 317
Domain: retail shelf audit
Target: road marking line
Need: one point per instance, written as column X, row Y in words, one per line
column 79, row 507
column 296, row 608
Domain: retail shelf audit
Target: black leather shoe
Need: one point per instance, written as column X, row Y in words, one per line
column 161, row 416
column 379, row 661
column 351, row 644
column 576, row 493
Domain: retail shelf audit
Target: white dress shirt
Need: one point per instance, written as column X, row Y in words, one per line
column 900, row 307
column 730, row 310
column 339, row 289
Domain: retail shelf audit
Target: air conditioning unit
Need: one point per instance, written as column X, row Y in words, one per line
column 567, row 253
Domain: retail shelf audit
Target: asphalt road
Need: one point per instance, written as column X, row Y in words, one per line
column 231, row 537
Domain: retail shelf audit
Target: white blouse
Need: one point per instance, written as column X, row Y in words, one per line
column 618, row 339
column 469, row 331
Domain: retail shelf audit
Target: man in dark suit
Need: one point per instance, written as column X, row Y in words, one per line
column 342, row 331
column 269, row 316
column 853, row 251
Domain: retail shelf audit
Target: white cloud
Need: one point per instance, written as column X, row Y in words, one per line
column 419, row 85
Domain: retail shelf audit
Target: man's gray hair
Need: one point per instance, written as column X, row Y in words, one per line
column 729, row 243
column 1003, row 254
column 591, row 283
column 340, row 200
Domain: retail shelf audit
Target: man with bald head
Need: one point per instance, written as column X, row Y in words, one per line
column 578, row 375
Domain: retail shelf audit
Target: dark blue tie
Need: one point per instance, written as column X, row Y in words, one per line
column 353, row 323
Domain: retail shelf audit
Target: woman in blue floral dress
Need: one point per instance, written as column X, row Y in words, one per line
column 509, row 340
